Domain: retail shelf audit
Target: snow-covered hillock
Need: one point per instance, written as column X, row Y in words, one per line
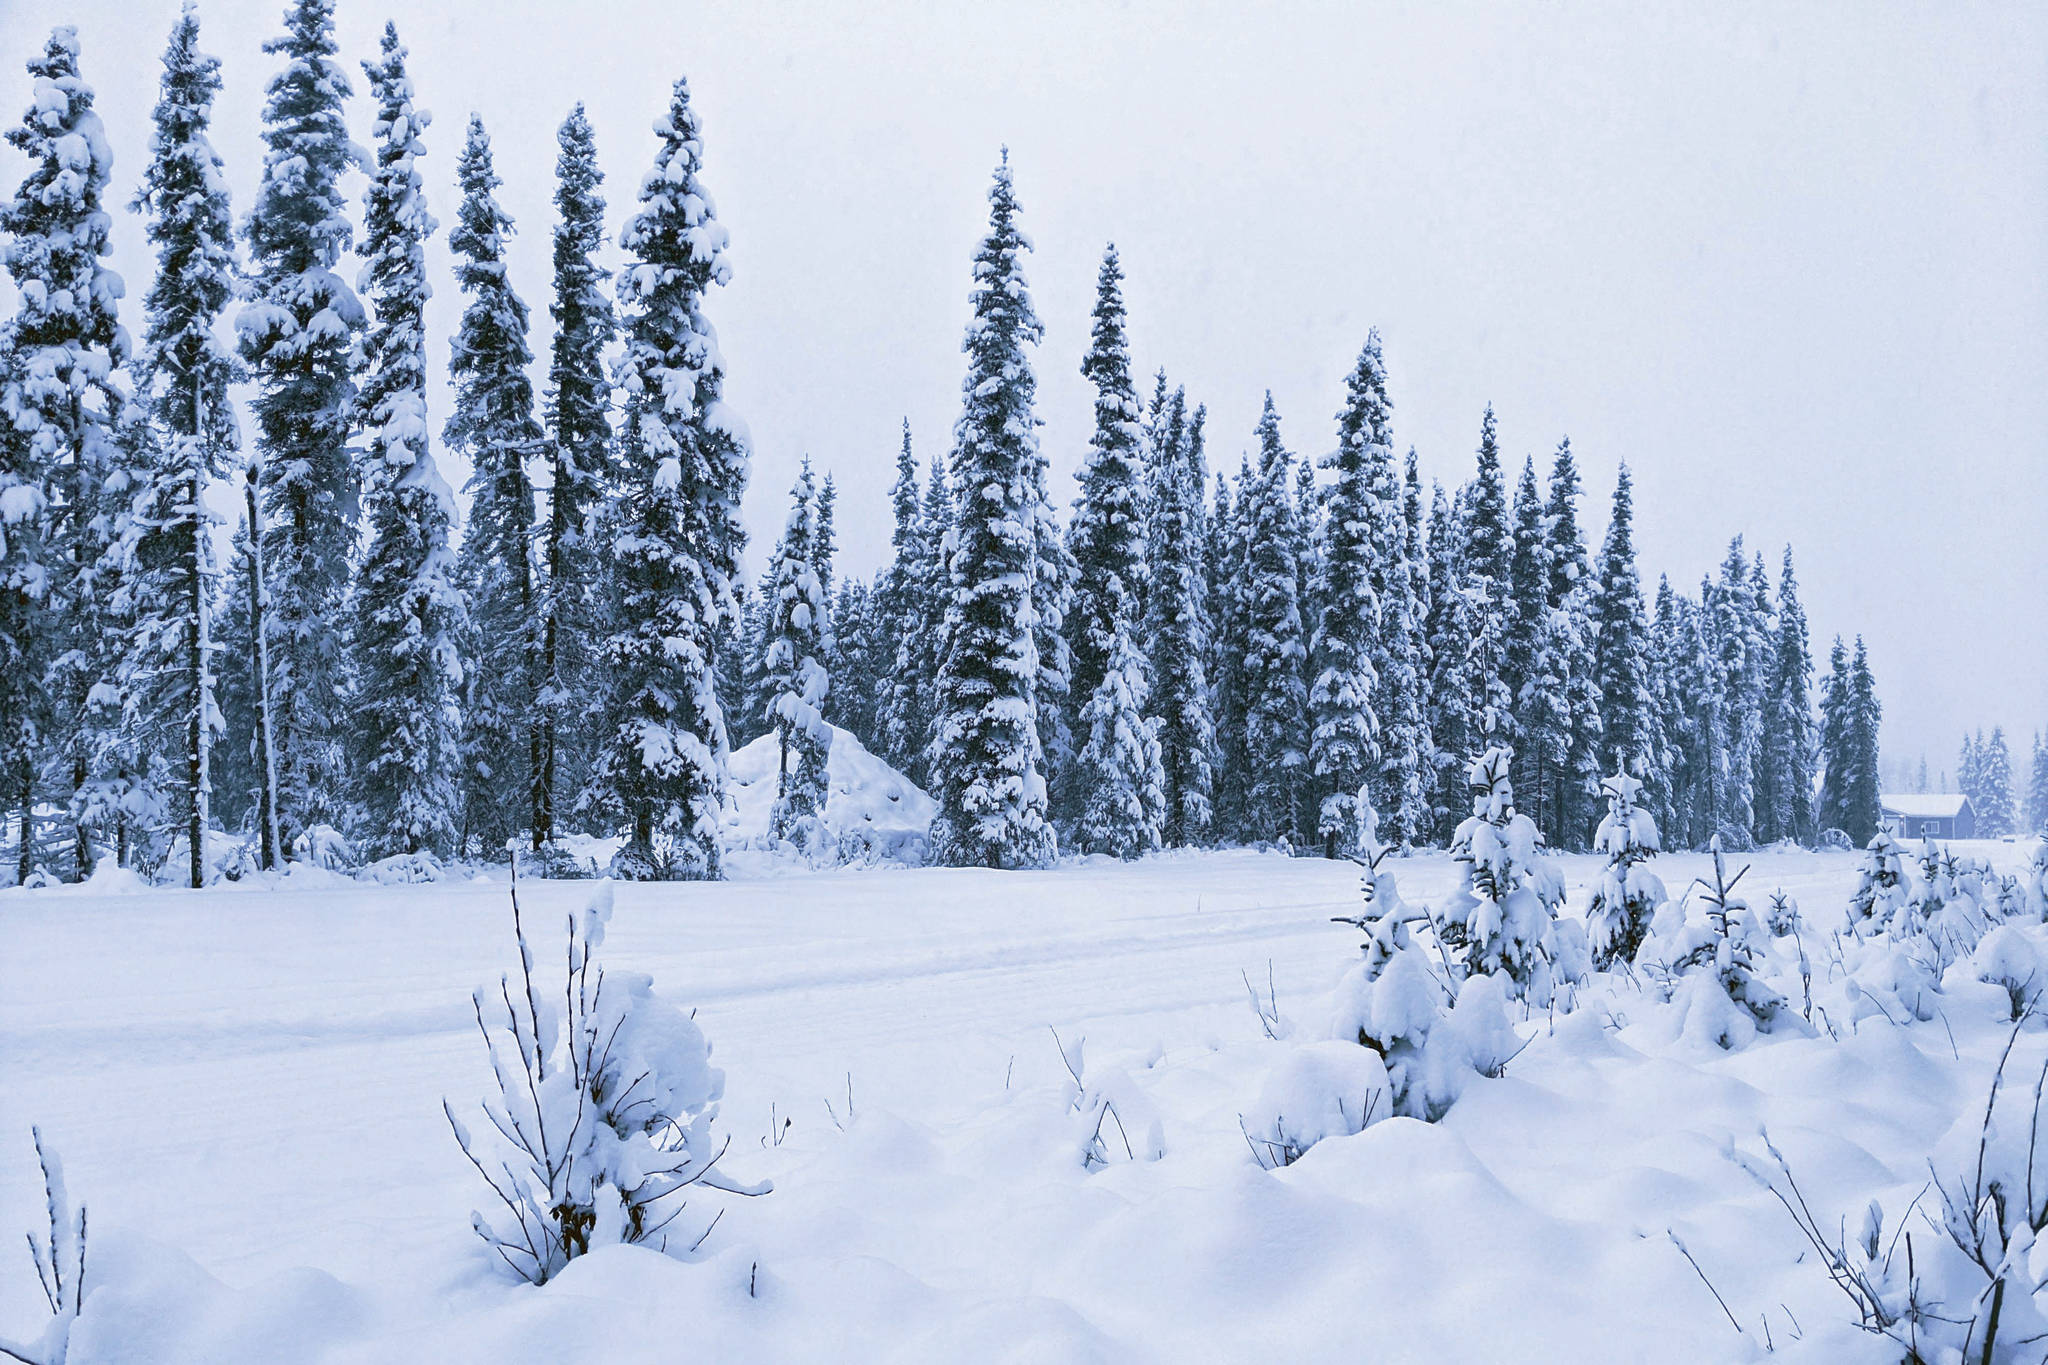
column 873, row 814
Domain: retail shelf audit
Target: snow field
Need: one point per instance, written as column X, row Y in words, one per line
column 243, row 1081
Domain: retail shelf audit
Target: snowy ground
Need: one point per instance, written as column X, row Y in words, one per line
column 253, row 1078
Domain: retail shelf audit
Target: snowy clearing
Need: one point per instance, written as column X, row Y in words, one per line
column 254, row 1080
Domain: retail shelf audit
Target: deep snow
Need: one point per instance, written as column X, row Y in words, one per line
column 252, row 1079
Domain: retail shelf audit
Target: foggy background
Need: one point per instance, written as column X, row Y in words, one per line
column 1791, row 263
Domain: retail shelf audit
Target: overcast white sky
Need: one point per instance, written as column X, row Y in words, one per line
column 1790, row 262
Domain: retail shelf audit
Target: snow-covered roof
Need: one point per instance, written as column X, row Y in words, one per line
column 1925, row 805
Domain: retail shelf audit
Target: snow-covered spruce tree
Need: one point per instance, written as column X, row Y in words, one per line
column 1276, row 698
column 2037, row 789
column 792, row 664
column 1627, row 895
column 65, row 410
column 861, row 650
column 986, row 762
column 1124, row 807
column 24, row 575
column 1788, row 721
column 1995, row 811
column 1837, row 754
column 1229, row 641
column 1178, row 627
column 898, row 611
column 605, row 1102
column 580, row 453
column 1052, row 586
column 1400, row 662
column 1344, row 739
column 1738, row 643
column 1106, row 534
column 1415, row 553
column 1863, row 812
column 167, row 680
column 676, row 537
column 1509, row 900
column 494, row 427
column 1540, row 726
column 1671, row 800
column 299, row 334
column 408, row 615
column 1710, row 972
column 1628, row 730
column 1572, row 627
column 1454, row 713
column 1884, row 886
column 1114, row 790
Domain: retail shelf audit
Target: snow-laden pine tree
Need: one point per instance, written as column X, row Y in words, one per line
column 68, row 417
column 572, row 622
column 493, row 426
column 1123, row 807
column 1276, row 698
column 1670, row 801
column 987, row 766
column 1863, row 811
column 1995, row 811
column 676, row 535
column 1738, row 641
column 1629, row 741
column 1178, row 626
column 1837, row 756
column 901, row 723
column 182, row 378
column 1453, row 711
column 922, row 653
column 2037, row 789
column 1534, row 671
column 1627, row 895
column 793, row 669
column 1114, row 791
column 1572, row 627
column 299, row 333
column 1344, row 738
column 1788, row 721
column 1489, row 535
column 1229, row 642
column 1400, row 660
column 408, row 614
column 861, row 651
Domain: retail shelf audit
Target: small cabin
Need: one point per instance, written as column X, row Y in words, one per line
column 1929, row 815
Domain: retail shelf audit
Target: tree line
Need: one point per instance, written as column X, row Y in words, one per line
column 1261, row 657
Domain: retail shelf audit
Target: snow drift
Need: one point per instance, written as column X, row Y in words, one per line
column 873, row 814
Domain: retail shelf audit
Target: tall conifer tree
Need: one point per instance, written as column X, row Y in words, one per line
column 408, row 613
column 582, row 474
column 676, row 538
column 987, row 761
column 1276, row 697
column 1344, row 743
column 183, row 379
column 493, row 425
column 64, row 410
column 1178, row 626
column 299, row 334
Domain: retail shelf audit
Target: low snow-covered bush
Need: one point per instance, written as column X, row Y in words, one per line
column 2012, row 961
column 1397, row 1000
column 1113, row 1121
column 324, row 846
column 1709, row 969
column 1329, row 1088
column 405, row 869
column 1884, row 886
column 58, row 1250
column 553, row 861
column 606, row 1097
column 1512, row 890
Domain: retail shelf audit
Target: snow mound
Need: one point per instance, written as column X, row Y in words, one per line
column 873, row 814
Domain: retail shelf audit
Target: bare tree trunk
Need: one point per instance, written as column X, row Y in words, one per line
column 259, row 663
